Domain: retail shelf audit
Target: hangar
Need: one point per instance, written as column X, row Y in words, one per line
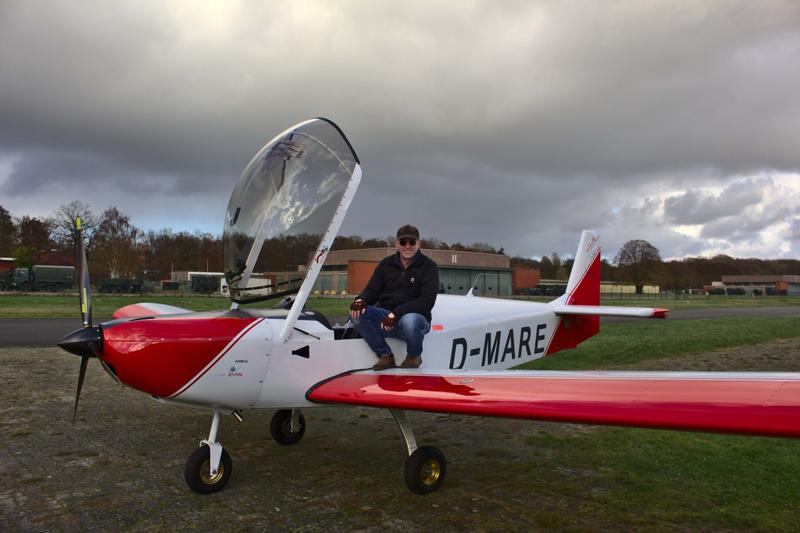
column 770, row 285
column 348, row 271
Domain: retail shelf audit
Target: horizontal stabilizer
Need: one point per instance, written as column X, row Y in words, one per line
column 730, row 402
column 607, row 310
column 148, row 309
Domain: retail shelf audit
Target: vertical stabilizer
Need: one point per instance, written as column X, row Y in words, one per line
column 583, row 288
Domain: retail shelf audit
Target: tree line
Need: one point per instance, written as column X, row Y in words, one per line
column 118, row 249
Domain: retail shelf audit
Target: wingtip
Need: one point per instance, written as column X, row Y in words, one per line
column 660, row 313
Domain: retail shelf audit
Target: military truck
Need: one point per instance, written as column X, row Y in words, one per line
column 41, row 278
column 120, row 286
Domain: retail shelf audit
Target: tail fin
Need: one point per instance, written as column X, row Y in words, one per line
column 583, row 288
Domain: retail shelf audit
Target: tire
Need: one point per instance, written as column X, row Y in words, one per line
column 425, row 470
column 280, row 428
column 197, row 473
column 26, row 287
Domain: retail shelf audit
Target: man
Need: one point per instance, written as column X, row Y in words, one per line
column 397, row 301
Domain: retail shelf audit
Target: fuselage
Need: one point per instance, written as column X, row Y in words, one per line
column 229, row 360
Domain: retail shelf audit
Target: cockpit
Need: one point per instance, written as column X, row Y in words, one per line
column 285, row 212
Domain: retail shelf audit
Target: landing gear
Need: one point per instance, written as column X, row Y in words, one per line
column 425, row 467
column 198, row 471
column 209, row 467
column 287, row 426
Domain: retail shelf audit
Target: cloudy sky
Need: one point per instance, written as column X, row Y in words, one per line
column 512, row 123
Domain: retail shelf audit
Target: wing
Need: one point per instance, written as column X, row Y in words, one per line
column 147, row 309
column 607, row 310
column 730, row 402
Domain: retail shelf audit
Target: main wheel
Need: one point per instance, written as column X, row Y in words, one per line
column 425, row 470
column 281, row 427
column 198, row 475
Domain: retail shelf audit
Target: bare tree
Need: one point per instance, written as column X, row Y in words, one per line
column 116, row 242
column 638, row 259
column 64, row 232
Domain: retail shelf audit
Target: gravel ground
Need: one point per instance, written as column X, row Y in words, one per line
column 120, row 467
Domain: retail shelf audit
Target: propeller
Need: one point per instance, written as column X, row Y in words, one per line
column 86, row 342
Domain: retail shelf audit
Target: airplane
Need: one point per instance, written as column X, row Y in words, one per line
column 297, row 189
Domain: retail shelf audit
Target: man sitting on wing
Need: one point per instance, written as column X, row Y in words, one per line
column 397, row 301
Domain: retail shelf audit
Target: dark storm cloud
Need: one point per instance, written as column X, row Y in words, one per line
column 515, row 123
column 694, row 207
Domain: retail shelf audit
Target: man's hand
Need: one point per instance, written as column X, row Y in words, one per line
column 387, row 324
column 357, row 308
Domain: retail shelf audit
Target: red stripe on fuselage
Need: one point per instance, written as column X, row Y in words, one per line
column 160, row 356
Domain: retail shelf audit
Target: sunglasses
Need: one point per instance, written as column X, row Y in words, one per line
column 407, row 242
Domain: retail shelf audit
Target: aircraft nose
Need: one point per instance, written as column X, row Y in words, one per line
column 86, row 342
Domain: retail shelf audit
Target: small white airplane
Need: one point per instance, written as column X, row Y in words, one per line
column 298, row 188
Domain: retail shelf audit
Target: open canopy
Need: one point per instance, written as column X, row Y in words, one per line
column 282, row 207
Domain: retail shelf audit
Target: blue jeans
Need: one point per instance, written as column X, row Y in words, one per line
column 410, row 327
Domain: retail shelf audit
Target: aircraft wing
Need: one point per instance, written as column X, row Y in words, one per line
column 608, row 310
column 730, row 402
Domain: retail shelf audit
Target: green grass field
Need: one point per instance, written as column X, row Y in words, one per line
column 631, row 342
column 64, row 306
column 605, row 478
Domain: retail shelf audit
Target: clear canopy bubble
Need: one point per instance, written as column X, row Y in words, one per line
column 281, row 207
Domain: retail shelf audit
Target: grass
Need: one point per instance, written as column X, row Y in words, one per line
column 66, row 306
column 664, row 480
column 629, row 342
column 103, row 306
column 691, row 302
column 603, row 478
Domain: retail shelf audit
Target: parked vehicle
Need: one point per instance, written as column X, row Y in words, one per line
column 41, row 278
column 120, row 286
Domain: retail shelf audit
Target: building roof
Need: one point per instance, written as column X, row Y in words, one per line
column 443, row 258
column 761, row 278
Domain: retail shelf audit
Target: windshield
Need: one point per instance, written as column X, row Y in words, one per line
column 281, row 206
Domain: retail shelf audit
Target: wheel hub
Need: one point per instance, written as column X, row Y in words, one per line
column 430, row 472
column 205, row 473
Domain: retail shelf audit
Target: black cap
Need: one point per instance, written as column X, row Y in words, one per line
column 408, row 231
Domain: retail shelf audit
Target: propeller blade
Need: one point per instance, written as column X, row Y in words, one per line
column 84, row 363
column 84, row 291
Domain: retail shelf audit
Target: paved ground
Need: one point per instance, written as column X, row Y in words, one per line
column 120, row 467
column 47, row 331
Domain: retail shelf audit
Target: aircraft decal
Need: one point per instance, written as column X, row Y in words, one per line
column 210, row 365
column 499, row 345
column 302, row 352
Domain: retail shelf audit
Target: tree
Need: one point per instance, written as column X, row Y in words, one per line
column 638, row 259
column 64, row 232
column 34, row 233
column 116, row 244
column 7, row 233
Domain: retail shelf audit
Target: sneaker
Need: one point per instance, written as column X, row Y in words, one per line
column 384, row 363
column 412, row 362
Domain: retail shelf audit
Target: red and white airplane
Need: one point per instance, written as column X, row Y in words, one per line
column 297, row 189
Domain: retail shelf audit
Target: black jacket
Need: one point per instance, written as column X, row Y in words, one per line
column 411, row 290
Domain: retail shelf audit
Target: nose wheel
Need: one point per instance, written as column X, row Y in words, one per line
column 209, row 468
column 198, row 472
